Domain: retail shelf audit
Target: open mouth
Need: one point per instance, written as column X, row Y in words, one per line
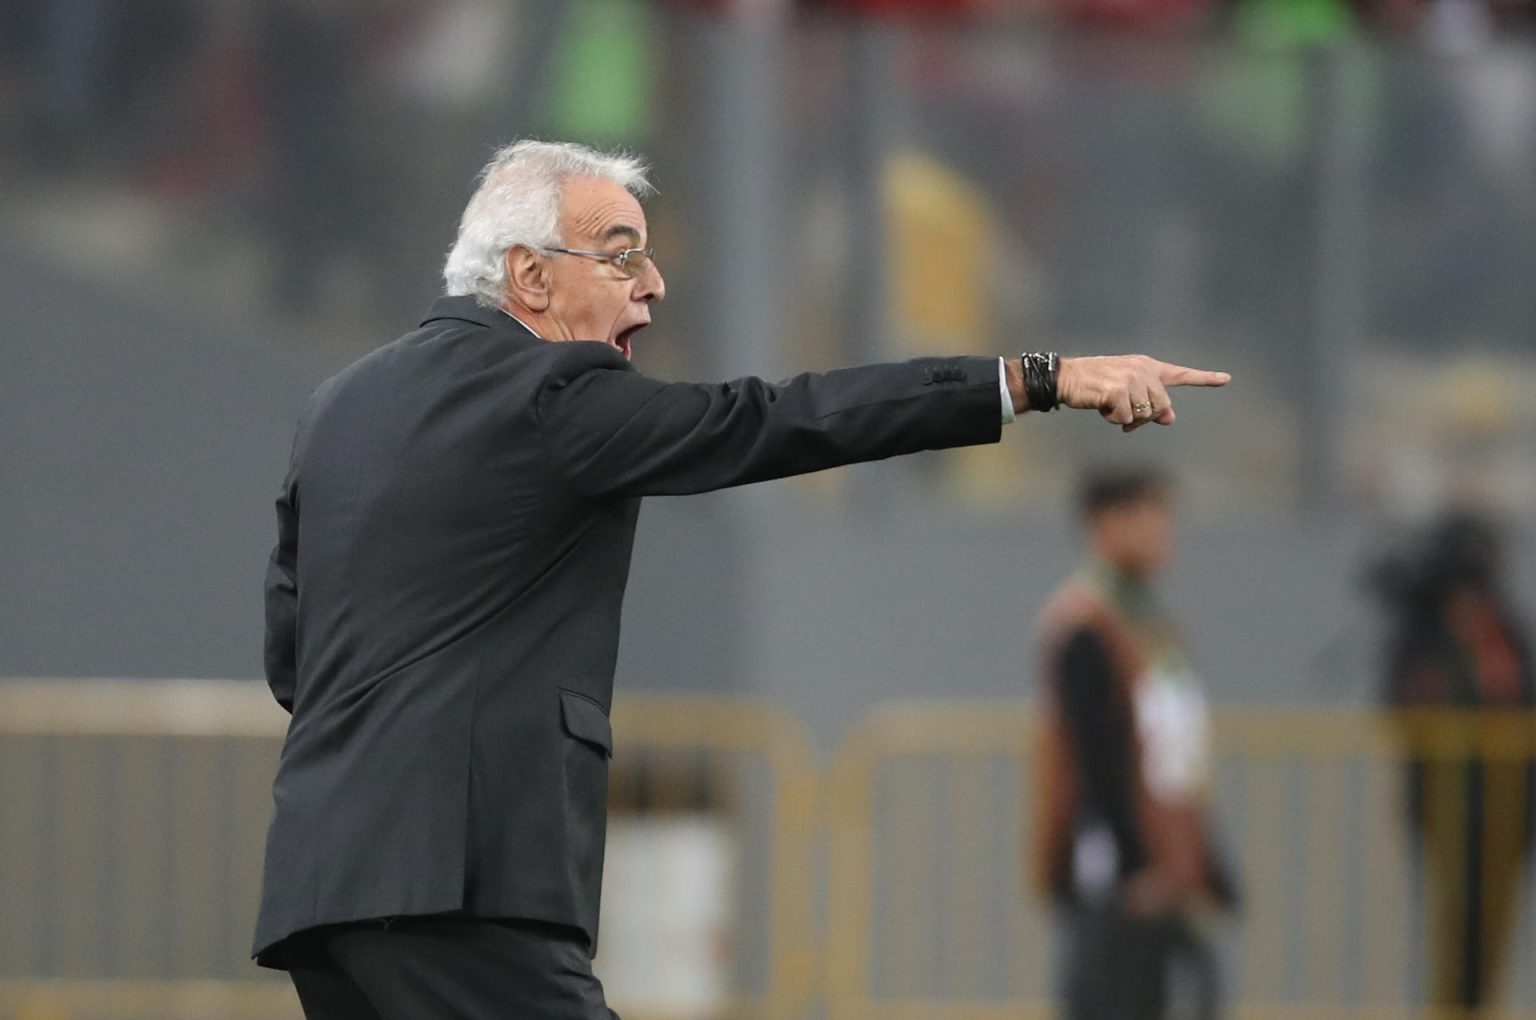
column 625, row 336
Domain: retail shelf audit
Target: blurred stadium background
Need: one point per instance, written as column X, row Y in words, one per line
column 209, row 205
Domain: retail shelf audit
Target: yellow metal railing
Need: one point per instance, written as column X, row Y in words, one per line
column 887, row 864
column 1336, row 787
column 744, row 727
column 928, row 811
column 148, row 1000
column 133, row 817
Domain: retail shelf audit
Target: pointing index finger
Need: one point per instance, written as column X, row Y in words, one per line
column 1178, row 375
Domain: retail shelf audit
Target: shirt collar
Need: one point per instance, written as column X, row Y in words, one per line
column 523, row 324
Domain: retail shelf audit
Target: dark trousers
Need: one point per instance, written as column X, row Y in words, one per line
column 1117, row 966
column 445, row 969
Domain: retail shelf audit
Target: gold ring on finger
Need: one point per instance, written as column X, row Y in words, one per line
column 1145, row 407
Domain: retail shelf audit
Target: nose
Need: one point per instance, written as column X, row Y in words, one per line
column 649, row 285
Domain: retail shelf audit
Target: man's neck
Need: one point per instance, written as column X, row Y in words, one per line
column 541, row 324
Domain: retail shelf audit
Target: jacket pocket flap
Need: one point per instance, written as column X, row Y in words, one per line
column 584, row 720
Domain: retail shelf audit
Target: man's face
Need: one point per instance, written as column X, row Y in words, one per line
column 1136, row 537
column 591, row 298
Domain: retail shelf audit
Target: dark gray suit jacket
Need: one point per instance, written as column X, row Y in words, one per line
column 454, row 539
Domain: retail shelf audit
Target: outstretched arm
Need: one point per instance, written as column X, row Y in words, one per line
column 613, row 432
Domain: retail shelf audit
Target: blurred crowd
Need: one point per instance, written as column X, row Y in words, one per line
column 1446, row 20
column 131, row 73
column 273, row 118
column 1096, row 170
column 1396, row 16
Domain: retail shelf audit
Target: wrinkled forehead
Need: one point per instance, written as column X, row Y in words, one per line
column 596, row 211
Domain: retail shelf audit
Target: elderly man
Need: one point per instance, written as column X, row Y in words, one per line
column 454, row 538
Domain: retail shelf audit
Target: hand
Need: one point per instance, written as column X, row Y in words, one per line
column 1130, row 390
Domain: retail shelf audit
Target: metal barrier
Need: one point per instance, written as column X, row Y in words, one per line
column 1354, row 899
column 752, row 731
column 133, row 818
column 148, row 1000
column 894, row 949
column 929, row 917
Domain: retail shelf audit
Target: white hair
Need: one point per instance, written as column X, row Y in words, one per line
column 518, row 203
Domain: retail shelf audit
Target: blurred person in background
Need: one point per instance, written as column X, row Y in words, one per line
column 1454, row 642
column 454, row 537
column 1125, row 849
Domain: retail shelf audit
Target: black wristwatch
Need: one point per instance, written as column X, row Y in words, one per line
column 1041, row 372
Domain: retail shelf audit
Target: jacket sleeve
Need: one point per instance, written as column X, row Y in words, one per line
column 614, row 432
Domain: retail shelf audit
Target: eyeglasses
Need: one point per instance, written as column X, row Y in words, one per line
column 631, row 261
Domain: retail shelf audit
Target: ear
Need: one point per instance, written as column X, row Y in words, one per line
column 527, row 278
